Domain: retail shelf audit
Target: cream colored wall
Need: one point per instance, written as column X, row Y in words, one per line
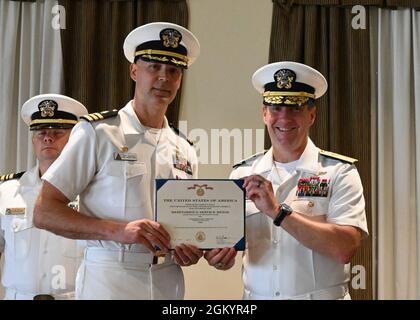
column 217, row 93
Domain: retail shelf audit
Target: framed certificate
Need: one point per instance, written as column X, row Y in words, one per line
column 205, row 213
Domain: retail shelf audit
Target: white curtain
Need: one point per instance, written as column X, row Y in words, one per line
column 396, row 41
column 30, row 64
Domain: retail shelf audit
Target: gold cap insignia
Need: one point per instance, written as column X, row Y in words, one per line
column 284, row 78
column 47, row 108
column 170, row 37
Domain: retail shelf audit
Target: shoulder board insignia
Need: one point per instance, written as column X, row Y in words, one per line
column 247, row 159
column 11, row 176
column 176, row 130
column 92, row 117
column 337, row 156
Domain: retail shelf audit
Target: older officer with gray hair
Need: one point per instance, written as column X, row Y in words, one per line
column 111, row 161
column 38, row 264
column 305, row 213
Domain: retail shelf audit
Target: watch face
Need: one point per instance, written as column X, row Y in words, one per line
column 288, row 210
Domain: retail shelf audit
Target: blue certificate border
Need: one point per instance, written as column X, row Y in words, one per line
column 240, row 245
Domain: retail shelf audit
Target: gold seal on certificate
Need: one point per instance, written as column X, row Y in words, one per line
column 205, row 213
column 200, row 236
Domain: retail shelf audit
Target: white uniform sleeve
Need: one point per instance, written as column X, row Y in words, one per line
column 240, row 172
column 194, row 162
column 2, row 243
column 347, row 204
column 76, row 166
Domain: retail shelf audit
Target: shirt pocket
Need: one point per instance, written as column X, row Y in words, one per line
column 69, row 248
column 310, row 207
column 125, row 169
column 21, row 236
column 6, row 226
column 135, row 188
column 123, row 187
column 257, row 225
column 134, row 170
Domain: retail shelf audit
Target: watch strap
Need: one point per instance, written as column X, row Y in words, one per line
column 284, row 211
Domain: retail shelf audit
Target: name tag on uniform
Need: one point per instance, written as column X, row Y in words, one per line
column 15, row 211
column 125, row 156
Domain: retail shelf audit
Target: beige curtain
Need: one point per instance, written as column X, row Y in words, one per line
column 31, row 63
column 396, row 40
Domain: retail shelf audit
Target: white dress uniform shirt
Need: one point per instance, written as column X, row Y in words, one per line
column 36, row 261
column 122, row 190
column 276, row 265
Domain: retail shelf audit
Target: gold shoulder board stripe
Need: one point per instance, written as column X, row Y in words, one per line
column 337, row 156
column 92, row 117
column 99, row 115
column 11, row 176
column 86, row 117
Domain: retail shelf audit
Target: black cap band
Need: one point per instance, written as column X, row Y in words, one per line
column 59, row 120
column 155, row 51
column 296, row 95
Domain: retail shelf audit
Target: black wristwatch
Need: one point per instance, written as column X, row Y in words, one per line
column 284, row 211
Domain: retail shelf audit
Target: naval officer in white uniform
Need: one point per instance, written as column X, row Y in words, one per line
column 38, row 264
column 111, row 161
column 305, row 210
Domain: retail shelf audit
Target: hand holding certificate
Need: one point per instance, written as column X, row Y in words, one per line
column 205, row 213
